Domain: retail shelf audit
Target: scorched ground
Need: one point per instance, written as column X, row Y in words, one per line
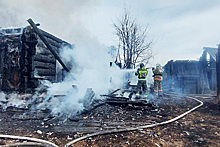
column 199, row 128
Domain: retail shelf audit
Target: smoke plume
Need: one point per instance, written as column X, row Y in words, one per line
column 91, row 70
column 67, row 20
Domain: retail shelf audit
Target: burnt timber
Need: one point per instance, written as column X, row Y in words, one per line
column 39, row 33
column 218, row 77
column 24, row 59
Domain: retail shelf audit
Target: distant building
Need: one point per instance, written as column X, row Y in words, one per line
column 210, row 57
column 24, row 59
column 192, row 77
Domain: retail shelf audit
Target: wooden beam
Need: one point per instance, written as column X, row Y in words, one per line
column 54, row 43
column 42, row 50
column 218, row 75
column 46, row 72
column 30, row 21
column 44, row 58
column 43, row 65
column 53, row 37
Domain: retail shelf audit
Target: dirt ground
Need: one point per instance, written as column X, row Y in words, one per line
column 199, row 128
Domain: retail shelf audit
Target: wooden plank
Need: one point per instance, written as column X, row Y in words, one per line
column 54, row 43
column 42, row 50
column 45, row 72
column 75, row 129
column 53, row 37
column 136, row 103
column 43, row 65
column 43, row 58
column 50, row 78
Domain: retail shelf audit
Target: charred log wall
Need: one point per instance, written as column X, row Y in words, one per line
column 44, row 62
column 10, row 50
column 24, row 59
column 29, row 42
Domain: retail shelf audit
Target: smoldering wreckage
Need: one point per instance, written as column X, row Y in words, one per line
column 30, row 59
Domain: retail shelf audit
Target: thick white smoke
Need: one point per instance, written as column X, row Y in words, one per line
column 92, row 70
column 68, row 20
column 2, row 97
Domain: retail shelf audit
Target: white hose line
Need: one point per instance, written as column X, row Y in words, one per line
column 29, row 139
column 136, row 128
column 25, row 144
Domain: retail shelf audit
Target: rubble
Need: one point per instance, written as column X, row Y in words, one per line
column 100, row 115
column 39, row 132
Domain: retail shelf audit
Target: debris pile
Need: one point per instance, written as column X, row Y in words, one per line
column 60, row 130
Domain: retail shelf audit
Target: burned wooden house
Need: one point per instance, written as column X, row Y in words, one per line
column 24, row 59
column 192, row 77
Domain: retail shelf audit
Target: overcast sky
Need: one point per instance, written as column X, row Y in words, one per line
column 180, row 28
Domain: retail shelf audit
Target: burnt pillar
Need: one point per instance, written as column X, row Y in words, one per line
column 29, row 41
column 218, row 74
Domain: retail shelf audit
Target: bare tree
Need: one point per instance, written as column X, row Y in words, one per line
column 133, row 44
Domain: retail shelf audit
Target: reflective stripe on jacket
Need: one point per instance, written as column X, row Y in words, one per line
column 158, row 78
column 141, row 73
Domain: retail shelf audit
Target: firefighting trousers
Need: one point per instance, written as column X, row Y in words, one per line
column 158, row 85
column 142, row 85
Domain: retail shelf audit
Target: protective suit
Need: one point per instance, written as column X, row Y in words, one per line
column 142, row 74
column 158, row 77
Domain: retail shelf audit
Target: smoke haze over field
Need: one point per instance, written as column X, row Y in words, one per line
column 180, row 28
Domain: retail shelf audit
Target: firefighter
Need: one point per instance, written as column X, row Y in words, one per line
column 142, row 74
column 158, row 77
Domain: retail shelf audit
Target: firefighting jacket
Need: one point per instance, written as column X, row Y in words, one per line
column 158, row 72
column 141, row 73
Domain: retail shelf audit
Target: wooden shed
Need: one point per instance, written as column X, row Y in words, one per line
column 186, row 76
column 193, row 77
column 24, row 59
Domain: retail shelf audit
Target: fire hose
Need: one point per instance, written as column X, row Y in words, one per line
column 105, row 132
column 136, row 128
column 29, row 139
column 25, row 144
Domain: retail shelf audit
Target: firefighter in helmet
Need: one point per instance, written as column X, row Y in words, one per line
column 158, row 77
column 142, row 74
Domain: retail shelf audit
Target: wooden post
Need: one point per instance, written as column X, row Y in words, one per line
column 46, row 43
column 218, row 74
